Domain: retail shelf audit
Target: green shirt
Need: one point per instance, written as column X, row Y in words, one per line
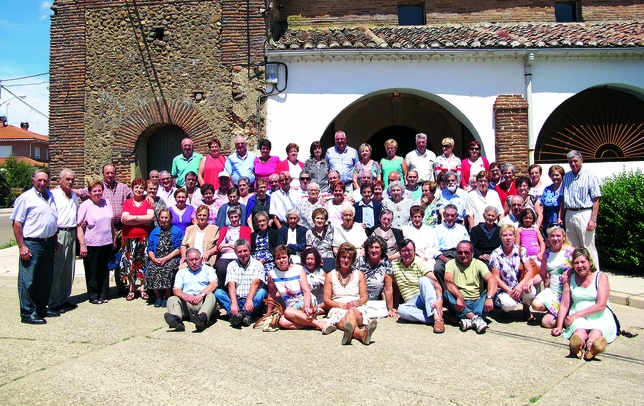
column 468, row 280
column 181, row 166
column 407, row 277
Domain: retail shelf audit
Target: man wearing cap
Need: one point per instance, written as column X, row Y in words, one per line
column 35, row 227
column 65, row 259
column 343, row 159
column 185, row 162
column 221, row 195
column 241, row 163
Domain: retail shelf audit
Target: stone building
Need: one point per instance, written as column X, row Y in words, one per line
column 528, row 79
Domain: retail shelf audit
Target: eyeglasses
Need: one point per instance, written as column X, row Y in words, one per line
column 516, row 205
column 305, row 178
column 475, row 149
column 463, row 252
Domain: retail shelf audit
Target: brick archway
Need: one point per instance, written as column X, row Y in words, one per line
column 138, row 127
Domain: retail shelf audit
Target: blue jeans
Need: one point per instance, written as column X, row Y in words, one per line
column 471, row 306
column 258, row 300
column 419, row 309
column 35, row 277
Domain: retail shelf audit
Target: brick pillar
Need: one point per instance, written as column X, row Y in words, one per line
column 511, row 131
column 67, row 88
column 243, row 32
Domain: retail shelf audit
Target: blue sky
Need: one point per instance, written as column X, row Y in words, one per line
column 24, row 30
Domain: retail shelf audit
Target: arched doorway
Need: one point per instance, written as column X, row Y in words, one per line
column 160, row 148
column 377, row 118
column 604, row 124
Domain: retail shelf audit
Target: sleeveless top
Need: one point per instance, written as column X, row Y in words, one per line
column 347, row 293
column 287, row 284
column 583, row 298
column 391, row 166
column 557, row 263
column 530, row 240
column 211, row 169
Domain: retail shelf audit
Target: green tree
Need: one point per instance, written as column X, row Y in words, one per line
column 620, row 232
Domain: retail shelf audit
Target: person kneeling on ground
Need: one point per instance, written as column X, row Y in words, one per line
column 463, row 280
column 193, row 287
column 419, row 288
column 245, row 281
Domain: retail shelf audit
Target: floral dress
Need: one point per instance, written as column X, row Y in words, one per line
column 431, row 219
column 557, row 263
column 551, row 201
column 160, row 277
column 374, row 169
column 262, row 251
column 133, row 254
column 375, row 276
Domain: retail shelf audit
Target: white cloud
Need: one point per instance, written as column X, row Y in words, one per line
column 46, row 7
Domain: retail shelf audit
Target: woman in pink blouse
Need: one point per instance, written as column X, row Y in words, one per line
column 137, row 218
column 97, row 240
column 265, row 164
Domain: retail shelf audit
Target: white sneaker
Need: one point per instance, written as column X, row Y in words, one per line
column 465, row 324
column 479, row 324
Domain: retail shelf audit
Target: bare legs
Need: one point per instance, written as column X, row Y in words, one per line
column 548, row 321
column 294, row 319
column 593, row 342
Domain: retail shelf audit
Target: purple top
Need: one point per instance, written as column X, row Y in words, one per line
column 99, row 222
column 267, row 169
column 182, row 221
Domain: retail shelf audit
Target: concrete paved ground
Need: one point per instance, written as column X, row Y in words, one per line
column 123, row 353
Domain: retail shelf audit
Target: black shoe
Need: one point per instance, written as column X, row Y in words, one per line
column 246, row 320
column 68, row 306
column 200, row 321
column 49, row 313
column 174, row 322
column 58, row 309
column 33, row 320
column 236, row 320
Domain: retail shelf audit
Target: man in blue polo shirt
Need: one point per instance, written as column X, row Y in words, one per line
column 343, row 159
column 185, row 162
column 241, row 163
column 193, row 294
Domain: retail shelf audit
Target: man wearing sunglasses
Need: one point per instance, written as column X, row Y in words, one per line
column 463, row 278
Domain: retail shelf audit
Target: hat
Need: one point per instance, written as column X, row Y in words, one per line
column 223, row 174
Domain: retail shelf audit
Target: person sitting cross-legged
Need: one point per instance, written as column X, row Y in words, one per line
column 419, row 288
column 463, row 281
column 193, row 287
column 245, row 285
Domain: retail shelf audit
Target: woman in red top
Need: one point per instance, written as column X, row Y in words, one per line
column 226, row 242
column 211, row 164
column 292, row 165
column 137, row 219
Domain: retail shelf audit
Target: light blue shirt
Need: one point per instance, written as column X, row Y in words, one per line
column 237, row 166
column 342, row 162
column 449, row 237
column 458, row 199
column 580, row 190
column 367, row 213
column 39, row 217
column 195, row 282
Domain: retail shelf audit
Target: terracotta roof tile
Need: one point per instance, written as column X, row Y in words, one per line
column 11, row 132
column 490, row 36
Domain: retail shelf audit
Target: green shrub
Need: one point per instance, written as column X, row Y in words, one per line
column 6, row 197
column 18, row 173
column 620, row 230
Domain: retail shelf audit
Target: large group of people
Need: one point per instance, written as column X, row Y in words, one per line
column 340, row 240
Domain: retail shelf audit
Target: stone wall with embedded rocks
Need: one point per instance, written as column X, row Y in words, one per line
column 146, row 64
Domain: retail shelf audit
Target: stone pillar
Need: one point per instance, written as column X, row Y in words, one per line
column 511, row 131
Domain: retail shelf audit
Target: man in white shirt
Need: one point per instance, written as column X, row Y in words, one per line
column 421, row 159
column 166, row 190
column 284, row 199
column 65, row 258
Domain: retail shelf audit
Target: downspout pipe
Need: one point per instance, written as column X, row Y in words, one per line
column 528, row 96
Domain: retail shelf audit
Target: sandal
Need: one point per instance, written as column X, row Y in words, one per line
column 144, row 294
column 130, row 296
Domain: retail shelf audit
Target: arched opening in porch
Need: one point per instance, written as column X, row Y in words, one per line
column 605, row 124
column 400, row 115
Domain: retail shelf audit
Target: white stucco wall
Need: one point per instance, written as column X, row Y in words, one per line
column 319, row 90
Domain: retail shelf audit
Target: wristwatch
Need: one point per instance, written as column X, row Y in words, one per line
column 202, row 295
column 488, row 297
